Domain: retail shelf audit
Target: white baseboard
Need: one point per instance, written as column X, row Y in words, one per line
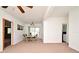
column 1, row 50
column 17, row 42
column 77, row 49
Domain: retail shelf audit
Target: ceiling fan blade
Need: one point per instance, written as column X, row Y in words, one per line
column 4, row 6
column 30, row 7
column 21, row 9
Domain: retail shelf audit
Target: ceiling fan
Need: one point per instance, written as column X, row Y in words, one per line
column 20, row 8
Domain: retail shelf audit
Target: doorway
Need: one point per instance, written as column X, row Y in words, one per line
column 64, row 33
column 6, row 33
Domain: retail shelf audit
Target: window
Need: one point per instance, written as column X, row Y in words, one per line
column 9, row 30
column 34, row 31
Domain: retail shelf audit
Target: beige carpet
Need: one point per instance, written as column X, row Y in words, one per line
column 39, row 47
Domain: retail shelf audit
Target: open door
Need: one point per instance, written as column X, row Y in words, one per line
column 7, row 33
column 64, row 33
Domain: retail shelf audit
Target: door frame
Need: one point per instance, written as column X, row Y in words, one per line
column 66, row 33
column 12, row 32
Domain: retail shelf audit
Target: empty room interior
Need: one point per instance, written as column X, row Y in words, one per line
column 39, row 29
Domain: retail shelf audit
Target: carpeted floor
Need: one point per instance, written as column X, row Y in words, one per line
column 39, row 47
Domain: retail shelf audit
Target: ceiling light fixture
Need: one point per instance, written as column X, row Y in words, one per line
column 32, row 24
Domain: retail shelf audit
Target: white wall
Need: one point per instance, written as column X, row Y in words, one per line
column 0, row 33
column 52, row 29
column 26, row 29
column 41, row 31
column 16, row 33
column 6, row 16
column 74, row 28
